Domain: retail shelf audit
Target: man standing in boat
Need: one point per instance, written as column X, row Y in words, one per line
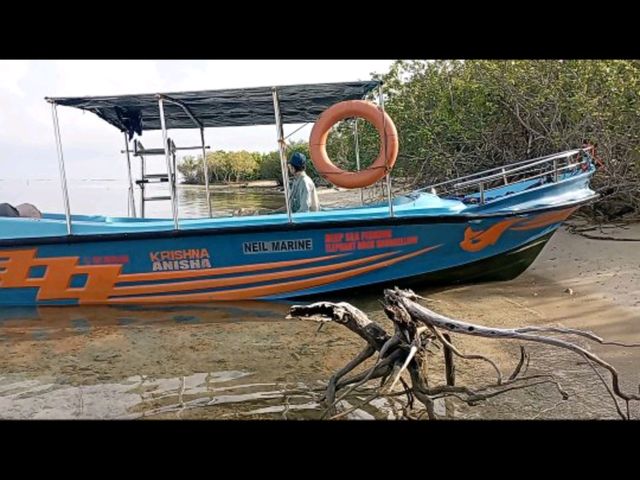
column 303, row 196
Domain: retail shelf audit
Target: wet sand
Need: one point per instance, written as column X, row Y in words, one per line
column 233, row 360
column 578, row 283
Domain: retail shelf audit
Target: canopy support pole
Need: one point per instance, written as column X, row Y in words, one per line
column 384, row 142
column 283, row 158
column 172, row 175
column 63, row 174
column 205, row 167
column 132, row 202
column 143, row 168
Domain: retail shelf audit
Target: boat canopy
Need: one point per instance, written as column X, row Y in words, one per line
column 235, row 107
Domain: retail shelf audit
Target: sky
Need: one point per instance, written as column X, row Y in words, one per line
column 92, row 147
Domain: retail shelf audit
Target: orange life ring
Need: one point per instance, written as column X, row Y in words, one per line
column 380, row 120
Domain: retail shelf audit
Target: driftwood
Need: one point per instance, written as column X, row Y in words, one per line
column 416, row 329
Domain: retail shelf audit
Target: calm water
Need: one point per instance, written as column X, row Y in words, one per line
column 110, row 198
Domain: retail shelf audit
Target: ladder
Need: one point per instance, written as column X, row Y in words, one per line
column 154, row 178
column 157, row 178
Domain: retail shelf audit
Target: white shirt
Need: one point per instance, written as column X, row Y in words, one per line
column 303, row 196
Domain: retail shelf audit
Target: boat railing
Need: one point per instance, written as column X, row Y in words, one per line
column 478, row 184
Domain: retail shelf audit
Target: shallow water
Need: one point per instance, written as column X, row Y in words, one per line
column 110, row 197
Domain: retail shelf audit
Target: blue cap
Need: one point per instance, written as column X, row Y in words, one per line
column 298, row 160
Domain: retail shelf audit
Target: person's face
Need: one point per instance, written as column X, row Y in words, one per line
column 292, row 170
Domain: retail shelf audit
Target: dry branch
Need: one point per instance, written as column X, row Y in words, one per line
column 416, row 327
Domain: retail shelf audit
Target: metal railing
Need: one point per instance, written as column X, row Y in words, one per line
column 479, row 185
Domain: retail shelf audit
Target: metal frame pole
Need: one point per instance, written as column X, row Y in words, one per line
column 357, row 146
column 63, row 174
column 132, row 202
column 384, row 140
column 173, row 157
column 283, row 158
column 167, row 154
column 142, row 175
column 205, row 166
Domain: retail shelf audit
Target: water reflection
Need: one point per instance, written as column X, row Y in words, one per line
column 224, row 394
column 140, row 314
column 225, row 201
column 223, row 360
column 109, row 197
column 48, row 323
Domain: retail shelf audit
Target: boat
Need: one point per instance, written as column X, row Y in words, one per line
column 482, row 227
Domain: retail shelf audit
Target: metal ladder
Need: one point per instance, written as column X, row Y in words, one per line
column 169, row 177
column 149, row 178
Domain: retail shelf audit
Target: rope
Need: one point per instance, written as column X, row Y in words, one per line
column 283, row 142
column 296, row 130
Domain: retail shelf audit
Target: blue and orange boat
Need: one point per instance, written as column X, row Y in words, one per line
column 486, row 226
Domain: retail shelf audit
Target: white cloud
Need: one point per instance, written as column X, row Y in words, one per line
column 26, row 133
column 12, row 72
column 258, row 73
column 78, row 78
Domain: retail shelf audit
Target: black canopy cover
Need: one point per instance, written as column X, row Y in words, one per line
column 218, row 108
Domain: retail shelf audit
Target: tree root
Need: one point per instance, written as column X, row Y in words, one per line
column 416, row 328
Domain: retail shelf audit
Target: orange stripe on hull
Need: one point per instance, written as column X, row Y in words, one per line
column 475, row 241
column 243, row 280
column 15, row 266
column 546, row 219
column 59, row 271
column 144, row 277
column 267, row 290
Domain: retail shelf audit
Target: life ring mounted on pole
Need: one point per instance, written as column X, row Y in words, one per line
column 388, row 144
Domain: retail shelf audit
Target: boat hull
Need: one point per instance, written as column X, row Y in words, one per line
column 217, row 265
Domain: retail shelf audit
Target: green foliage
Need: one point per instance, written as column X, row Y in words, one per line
column 455, row 117
column 269, row 167
column 224, row 167
column 459, row 117
column 230, row 167
column 191, row 170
